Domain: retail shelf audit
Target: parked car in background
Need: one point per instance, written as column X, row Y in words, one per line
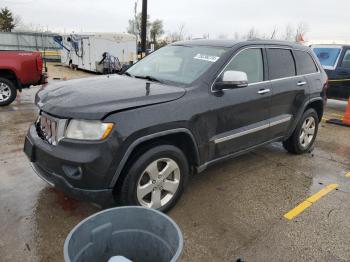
column 18, row 70
column 335, row 59
column 135, row 138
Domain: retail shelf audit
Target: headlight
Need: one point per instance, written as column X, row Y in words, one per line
column 88, row 130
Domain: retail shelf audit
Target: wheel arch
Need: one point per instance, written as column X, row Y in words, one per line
column 9, row 75
column 318, row 105
column 180, row 137
column 315, row 103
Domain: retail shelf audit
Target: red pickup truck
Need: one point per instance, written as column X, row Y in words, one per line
column 18, row 70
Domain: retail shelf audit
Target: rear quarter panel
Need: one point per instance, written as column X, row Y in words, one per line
column 317, row 81
column 22, row 64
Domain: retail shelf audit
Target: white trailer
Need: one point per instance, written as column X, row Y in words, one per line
column 98, row 52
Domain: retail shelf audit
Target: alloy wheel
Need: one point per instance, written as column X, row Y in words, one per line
column 5, row 92
column 307, row 132
column 158, row 183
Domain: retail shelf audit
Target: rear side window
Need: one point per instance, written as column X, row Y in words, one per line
column 305, row 63
column 281, row 63
column 249, row 61
column 346, row 60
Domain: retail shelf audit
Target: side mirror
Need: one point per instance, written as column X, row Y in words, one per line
column 231, row 80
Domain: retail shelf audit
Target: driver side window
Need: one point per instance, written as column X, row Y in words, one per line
column 249, row 61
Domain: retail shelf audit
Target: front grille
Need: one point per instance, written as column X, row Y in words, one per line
column 50, row 129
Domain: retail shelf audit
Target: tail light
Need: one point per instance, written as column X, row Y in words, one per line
column 39, row 63
column 325, row 86
column 324, row 91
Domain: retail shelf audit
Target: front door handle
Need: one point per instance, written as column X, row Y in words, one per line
column 301, row 83
column 264, row 91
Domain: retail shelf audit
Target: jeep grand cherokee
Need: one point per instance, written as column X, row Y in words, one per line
column 135, row 138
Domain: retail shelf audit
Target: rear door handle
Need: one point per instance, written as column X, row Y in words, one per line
column 301, row 83
column 264, row 91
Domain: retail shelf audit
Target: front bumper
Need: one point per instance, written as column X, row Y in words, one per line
column 102, row 197
column 81, row 170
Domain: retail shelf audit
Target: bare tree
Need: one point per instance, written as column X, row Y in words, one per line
column 179, row 35
column 289, row 33
column 252, row 33
column 223, row 36
column 206, row 36
column 17, row 21
column 274, row 33
column 301, row 32
column 173, row 37
column 181, row 32
column 30, row 27
column 134, row 26
column 236, row 36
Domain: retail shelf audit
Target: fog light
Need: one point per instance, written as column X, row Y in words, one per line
column 72, row 172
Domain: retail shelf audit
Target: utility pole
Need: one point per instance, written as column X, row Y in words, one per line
column 144, row 27
column 136, row 28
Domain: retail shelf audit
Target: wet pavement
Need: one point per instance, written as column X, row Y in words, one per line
column 233, row 211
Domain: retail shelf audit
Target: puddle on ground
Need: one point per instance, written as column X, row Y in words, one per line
column 65, row 202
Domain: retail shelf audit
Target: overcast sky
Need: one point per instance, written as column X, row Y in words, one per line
column 325, row 19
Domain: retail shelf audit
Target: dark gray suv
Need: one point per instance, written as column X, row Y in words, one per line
column 135, row 138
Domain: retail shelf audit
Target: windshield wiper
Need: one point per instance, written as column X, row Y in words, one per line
column 150, row 78
column 128, row 74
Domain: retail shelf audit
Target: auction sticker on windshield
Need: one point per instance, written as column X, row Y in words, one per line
column 209, row 58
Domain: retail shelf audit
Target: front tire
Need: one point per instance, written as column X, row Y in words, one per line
column 8, row 92
column 303, row 138
column 156, row 179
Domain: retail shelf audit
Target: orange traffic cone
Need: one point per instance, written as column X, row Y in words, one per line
column 346, row 118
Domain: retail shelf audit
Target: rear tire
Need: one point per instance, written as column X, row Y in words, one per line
column 156, row 179
column 303, row 138
column 8, row 92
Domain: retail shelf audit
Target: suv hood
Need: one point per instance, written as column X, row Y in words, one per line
column 95, row 97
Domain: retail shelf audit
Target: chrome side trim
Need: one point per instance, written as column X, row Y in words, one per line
column 243, row 133
column 201, row 168
column 281, row 121
column 280, row 79
column 252, row 130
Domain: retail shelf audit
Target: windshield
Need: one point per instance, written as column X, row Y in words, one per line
column 177, row 63
column 327, row 55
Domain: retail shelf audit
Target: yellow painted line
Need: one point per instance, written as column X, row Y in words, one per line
column 321, row 193
column 309, row 201
column 51, row 53
column 297, row 210
column 333, row 114
column 347, row 175
column 326, row 118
